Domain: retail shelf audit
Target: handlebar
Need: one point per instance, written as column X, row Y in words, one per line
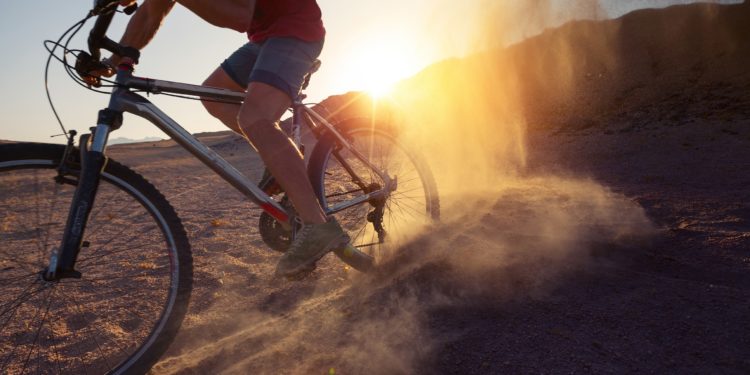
column 105, row 11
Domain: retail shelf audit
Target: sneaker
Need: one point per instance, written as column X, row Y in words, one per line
column 310, row 244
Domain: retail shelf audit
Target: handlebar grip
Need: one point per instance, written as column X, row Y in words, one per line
column 97, row 34
column 105, row 9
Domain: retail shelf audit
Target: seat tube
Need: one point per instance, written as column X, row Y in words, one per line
column 296, row 126
column 93, row 161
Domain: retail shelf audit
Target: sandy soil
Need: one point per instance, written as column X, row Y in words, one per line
column 622, row 246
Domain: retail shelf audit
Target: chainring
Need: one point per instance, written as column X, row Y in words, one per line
column 272, row 232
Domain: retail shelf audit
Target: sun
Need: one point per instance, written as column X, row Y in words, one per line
column 379, row 64
column 379, row 88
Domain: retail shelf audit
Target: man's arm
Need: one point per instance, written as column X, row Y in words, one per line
column 144, row 24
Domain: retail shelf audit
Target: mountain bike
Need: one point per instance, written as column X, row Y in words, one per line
column 95, row 265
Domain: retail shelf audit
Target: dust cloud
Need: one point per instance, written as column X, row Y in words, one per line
column 505, row 232
column 494, row 247
column 469, row 114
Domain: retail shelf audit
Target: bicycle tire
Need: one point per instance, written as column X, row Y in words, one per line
column 127, row 307
column 414, row 203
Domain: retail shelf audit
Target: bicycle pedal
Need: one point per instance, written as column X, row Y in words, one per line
column 273, row 189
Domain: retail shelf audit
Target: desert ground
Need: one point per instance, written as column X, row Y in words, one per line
column 620, row 243
column 595, row 219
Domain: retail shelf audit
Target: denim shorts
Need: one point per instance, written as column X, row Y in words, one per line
column 279, row 62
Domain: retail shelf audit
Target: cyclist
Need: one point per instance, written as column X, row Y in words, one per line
column 285, row 38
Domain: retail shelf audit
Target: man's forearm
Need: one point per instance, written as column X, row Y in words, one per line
column 144, row 24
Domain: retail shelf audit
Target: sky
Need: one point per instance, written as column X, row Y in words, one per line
column 369, row 43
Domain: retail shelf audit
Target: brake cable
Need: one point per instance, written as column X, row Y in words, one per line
column 52, row 46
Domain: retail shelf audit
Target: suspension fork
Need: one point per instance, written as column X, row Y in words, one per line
column 93, row 161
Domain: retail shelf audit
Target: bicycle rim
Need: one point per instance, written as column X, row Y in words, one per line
column 114, row 318
column 406, row 210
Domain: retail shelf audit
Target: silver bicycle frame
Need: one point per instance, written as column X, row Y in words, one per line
column 124, row 100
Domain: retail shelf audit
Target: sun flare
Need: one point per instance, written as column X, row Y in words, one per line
column 379, row 88
column 378, row 65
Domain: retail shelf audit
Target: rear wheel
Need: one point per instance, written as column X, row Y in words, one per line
column 377, row 226
column 135, row 265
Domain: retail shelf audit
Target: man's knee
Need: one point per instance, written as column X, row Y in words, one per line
column 213, row 107
column 254, row 123
column 219, row 78
column 259, row 114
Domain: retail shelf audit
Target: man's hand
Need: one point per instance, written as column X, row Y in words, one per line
column 91, row 70
column 108, row 68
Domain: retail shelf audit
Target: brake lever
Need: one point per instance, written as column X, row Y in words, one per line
column 85, row 64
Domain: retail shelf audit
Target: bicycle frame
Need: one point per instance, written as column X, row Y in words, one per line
column 124, row 100
column 127, row 101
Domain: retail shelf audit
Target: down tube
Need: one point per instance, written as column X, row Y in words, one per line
column 208, row 156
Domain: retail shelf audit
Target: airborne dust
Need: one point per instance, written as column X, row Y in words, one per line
column 507, row 232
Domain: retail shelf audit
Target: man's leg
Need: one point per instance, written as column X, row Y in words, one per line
column 256, row 119
column 225, row 112
column 263, row 106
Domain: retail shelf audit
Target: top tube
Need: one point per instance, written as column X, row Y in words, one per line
column 126, row 79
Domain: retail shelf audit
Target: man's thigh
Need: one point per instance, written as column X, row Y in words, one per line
column 279, row 62
column 219, row 78
column 284, row 62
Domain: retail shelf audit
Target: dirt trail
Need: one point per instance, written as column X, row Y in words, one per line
column 618, row 243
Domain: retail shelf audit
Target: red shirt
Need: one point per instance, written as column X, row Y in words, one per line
column 286, row 18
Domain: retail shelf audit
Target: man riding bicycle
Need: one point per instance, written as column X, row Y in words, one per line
column 285, row 38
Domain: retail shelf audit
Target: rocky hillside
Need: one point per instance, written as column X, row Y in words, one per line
column 587, row 71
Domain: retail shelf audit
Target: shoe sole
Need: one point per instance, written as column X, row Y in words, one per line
column 331, row 246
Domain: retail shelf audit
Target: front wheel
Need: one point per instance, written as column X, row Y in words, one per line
column 135, row 264
column 378, row 225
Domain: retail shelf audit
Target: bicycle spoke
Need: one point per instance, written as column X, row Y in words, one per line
column 102, row 281
column 101, row 249
column 29, row 267
column 122, row 293
column 344, row 193
column 53, row 205
column 26, row 229
column 409, row 204
column 99, row 254
column 36, row 215
column 22, row 298
column 99, row 207
column 38, row 330
column 80, row 355
column 58, row 358
column 15, row 347
column 121, row 348
column 109, row 219
column 410, row 212
column 10, row 281
column 88, row 327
